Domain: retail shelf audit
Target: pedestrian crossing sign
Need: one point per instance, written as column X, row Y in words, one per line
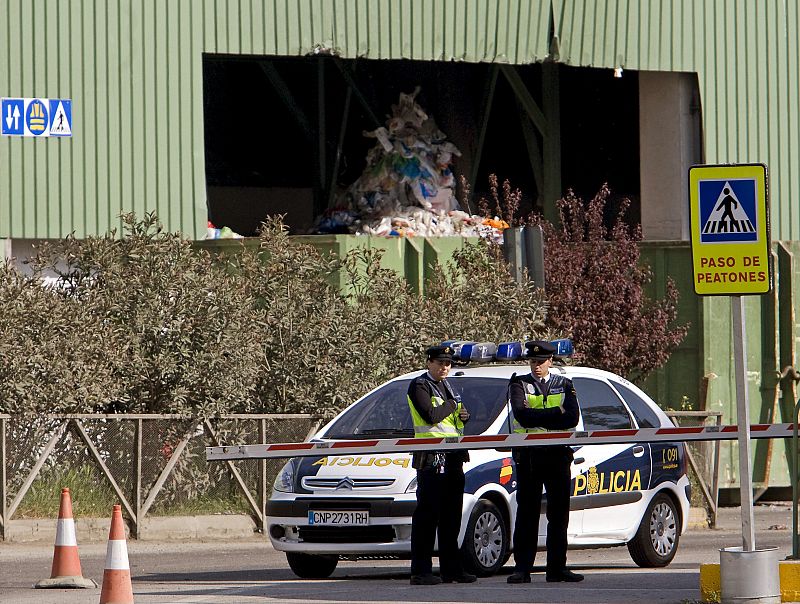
column 730, row 229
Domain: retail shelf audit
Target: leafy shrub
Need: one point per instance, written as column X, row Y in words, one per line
column 476, row 295
column 595, row 287
column 144, row 323
column 53, row 350
column 594, row 283
column 147, row 323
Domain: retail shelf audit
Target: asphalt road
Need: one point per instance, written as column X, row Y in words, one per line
column 251, row 571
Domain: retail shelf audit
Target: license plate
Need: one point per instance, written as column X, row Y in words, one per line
column 338, row 518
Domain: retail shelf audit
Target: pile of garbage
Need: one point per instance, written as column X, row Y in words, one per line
column 213, row 232
column 407, row 188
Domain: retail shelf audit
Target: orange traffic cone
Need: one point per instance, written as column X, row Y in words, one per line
column 117, row 588
column 66, row 570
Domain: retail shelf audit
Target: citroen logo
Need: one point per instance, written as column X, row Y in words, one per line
column 345, row 483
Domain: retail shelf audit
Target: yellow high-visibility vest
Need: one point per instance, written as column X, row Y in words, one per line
column 539, row 401
column 449, row 426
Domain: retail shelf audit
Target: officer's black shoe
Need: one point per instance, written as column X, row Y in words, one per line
column 428, row 579
column 459, row 578
column 519, row 578
column 565, row 576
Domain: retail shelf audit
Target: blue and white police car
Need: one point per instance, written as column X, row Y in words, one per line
column 359, row 507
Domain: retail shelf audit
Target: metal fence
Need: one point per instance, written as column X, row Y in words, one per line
column 150, row 464
column 703, row 458
column 155, row 464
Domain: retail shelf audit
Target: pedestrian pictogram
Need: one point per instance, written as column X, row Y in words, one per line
column 727, row 209
column 730, row 229
column 61, row 120
column 41, row 118
column 37, row 117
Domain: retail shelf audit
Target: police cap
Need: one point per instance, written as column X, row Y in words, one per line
column 539, row 350
column 444, row 353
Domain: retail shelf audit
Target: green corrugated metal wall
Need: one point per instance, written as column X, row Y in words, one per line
column 133, row 70
column 747, row 59
column 773, row 336
column 512, row 31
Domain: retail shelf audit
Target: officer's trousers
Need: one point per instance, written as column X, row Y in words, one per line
column 439, row 501
column 537, row 467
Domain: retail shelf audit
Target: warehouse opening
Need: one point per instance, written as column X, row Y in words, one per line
column 295, row 135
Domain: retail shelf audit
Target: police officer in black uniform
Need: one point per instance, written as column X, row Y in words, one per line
column 542, row 401
column 437, row 412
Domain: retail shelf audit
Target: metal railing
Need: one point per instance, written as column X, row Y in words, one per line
column 138, row 453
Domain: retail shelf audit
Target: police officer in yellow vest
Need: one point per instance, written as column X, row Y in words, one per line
column 437, row 411
column 542, row 401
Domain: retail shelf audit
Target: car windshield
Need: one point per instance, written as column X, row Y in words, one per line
column 385, row 412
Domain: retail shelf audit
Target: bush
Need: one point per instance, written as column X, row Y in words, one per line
column 141, row 323
column 146, row 323
column 53, row 350
column 594, row 283
column 595, row 287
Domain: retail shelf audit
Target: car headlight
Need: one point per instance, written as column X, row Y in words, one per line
column 412, row 486
column 284, row 481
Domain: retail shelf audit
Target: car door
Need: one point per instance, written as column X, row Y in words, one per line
column 508, row 478
column 668, row 457
column 612, row 477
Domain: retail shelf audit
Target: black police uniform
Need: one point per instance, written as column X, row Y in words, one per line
column 543, row 466
column 440, row 489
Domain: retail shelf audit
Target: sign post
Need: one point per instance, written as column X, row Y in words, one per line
column 743, row 419
column 731, row 256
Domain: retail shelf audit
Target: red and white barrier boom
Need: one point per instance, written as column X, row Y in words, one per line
column 493, row 441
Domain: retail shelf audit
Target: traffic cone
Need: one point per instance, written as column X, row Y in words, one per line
column 117, row 588
column 66, row 570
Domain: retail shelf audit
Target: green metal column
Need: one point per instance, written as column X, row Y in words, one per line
column 551, row 99
column 768, row 389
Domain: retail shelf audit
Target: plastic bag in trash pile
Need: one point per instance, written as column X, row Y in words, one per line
column 224, row 233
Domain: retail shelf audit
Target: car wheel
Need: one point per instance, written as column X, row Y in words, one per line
column 656, row 541
column 485, row 547
column 311, row 566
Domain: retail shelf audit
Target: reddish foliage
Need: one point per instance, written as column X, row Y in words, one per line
column 595, row 289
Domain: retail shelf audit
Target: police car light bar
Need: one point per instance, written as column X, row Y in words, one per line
column 466, row 351
column 509, row 351
column 493, row 441
column 563, row 347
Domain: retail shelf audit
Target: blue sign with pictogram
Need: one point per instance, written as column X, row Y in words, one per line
column 37, row 117
column 728, row 211
column 41, row 118
column 12, row 112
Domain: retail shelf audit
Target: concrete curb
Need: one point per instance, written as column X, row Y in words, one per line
column 156, row 528
column 698, row 518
